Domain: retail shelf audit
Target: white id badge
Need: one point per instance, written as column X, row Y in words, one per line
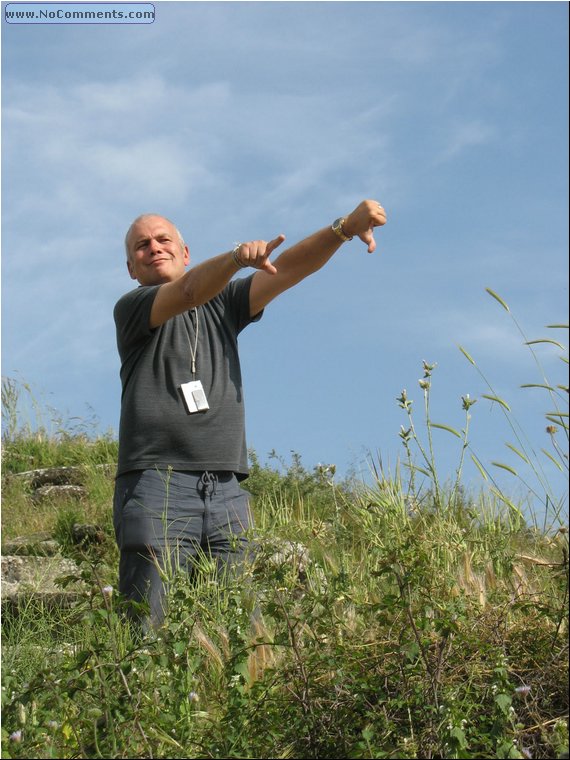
column 194, row 397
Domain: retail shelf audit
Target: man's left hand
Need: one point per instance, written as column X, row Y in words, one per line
column 362, row 220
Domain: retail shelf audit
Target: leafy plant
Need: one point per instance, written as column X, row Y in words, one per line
column 406, row 618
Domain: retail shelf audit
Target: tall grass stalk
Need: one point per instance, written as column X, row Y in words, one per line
column 524, row 449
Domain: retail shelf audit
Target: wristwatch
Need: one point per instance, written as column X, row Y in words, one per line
column 338, row 231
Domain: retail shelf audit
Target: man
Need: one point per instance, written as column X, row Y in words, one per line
column 182, row 449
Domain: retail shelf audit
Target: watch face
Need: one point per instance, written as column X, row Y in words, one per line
column 337, row 227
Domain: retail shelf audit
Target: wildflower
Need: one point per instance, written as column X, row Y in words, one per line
column 53, row 724
column 525, row 752
column 193, row 696
column 551, row 429
column 424, row 384
column 16, row 736
column 326, row 469
column 107, row 591
column 403, row 401
column 524, row 690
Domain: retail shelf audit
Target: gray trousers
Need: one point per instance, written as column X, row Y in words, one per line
column 166, row 519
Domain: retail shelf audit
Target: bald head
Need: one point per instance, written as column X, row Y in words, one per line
column 143, row 218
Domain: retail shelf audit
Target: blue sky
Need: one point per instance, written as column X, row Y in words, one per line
column 244, row 120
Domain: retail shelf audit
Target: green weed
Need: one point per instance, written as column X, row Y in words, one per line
column 406, row 618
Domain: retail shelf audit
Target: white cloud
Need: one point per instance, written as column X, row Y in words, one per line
column 463, row 137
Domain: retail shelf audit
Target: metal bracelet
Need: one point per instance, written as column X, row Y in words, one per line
column 235, row 256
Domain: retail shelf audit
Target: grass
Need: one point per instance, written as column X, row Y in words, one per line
column 407, row 618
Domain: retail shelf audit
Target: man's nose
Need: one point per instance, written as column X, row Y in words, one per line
column 154, row 246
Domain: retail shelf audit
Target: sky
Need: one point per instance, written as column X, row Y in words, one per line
column 243, row 120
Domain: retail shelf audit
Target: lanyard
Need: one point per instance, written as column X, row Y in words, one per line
column 194, row 350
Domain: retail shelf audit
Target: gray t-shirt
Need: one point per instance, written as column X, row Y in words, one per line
column 155, row 429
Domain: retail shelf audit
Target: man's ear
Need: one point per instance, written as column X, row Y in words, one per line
column 131, row 271
column 186, row 255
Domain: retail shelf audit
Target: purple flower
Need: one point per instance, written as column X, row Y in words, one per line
column 16, row 736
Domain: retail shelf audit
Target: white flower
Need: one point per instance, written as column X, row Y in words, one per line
column 522, row 690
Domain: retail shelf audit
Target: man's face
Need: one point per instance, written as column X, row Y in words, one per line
column 156, row 254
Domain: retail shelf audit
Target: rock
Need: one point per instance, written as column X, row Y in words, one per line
column 54, row 476
column 36, row 544
column 32, row 564
column 36, row 576
column 87, row 534
column 65, row 491
column 291, row 553
column 293, row 556
column 59, row 476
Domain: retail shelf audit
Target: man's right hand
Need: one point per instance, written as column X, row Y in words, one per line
column 256, row 254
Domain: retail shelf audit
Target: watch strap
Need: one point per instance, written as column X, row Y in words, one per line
column 338, row 229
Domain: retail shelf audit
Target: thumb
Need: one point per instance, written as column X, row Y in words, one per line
column 268, row 267
column 271, row 246
column 368, row 238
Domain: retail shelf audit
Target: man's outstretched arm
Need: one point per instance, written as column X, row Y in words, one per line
column 205, row 280
column 312, row 253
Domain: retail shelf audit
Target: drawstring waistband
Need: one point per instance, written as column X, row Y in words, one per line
column 208, row 484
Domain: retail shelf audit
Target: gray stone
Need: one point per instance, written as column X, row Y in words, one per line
column 36, row 544
column 36, row 575
column 291, row 553
column 87, row 534
column 57, row 476
column 59, row 491
column 60, row 476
